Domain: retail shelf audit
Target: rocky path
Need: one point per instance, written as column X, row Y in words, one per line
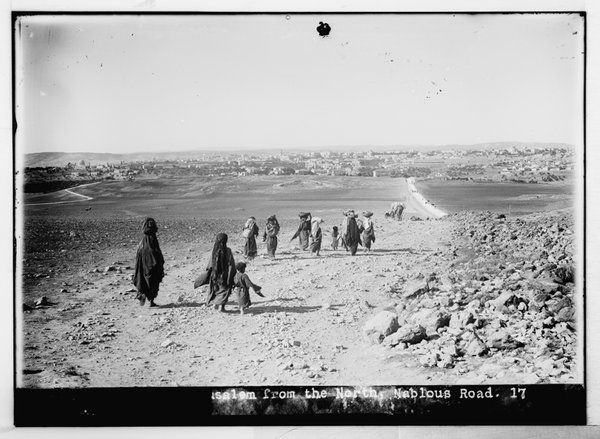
column 312, row 326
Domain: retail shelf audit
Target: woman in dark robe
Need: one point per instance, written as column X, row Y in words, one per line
column 303, row 231
column 270, row 235
column 250, row 231
column 368, row 234
column 351, row 232
column 222, row 273
column 149, row 264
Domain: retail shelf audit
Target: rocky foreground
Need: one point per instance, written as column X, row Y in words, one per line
column 472, row 298
column 508, row 297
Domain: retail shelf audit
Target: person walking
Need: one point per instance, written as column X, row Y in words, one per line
column 250, row 232
column 368, row 234
column 149, row 264
column 303, row 232
column 243, row 284
column 270, row 235
column 222, row 273
column 335, row 238
column 316, row 235
column 351, row 232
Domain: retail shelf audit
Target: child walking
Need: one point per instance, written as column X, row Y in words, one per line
column 335, row 238
column 242, row 285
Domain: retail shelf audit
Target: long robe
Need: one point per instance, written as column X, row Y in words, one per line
column 303, row 233
column 270, row 237
column 351, row 234
column 335, row 239
column 368, row 235
column 242, row 288
column 250, row 249
column 315, row 245
column 220, row 285
column 149, row 267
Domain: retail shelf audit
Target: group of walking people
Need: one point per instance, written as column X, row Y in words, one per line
column 224, row 276
column 250, row 232
column 222, row 273
column 354, row 232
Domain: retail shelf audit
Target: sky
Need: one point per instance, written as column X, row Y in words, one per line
column 143, row 83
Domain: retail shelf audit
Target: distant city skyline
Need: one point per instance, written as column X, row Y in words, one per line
column 323, row 149
column 139, row 83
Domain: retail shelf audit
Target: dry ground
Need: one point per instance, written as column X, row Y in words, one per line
column 307, row 330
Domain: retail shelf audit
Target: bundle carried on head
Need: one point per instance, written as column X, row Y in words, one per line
column 367, row 214
column 315, row 225
column 250, row 222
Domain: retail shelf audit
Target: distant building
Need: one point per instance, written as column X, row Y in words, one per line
column 382, row 173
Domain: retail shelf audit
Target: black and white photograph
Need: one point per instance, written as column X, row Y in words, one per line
column 375, row 206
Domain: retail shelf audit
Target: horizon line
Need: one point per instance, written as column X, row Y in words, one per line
column 324, row 148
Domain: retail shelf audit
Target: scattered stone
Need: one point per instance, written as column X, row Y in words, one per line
column 375, row 337
column 414, row 288
column 461, row 319
column 383, row 324
column 430, row 319
column 410, row 334
column 446, row 361
column 565, row 274
column 566, row 314
column 476, row 347
column 430, row 359
column 167, row 343
column 42, row 301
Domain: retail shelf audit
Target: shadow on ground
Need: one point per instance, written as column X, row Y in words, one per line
column 180, row 305
column 280, row 308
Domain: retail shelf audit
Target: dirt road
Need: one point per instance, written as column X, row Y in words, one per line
column 306, row 330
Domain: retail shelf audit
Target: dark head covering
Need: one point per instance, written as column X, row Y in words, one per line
column 240, row 266
column 150, row 227
column 149, row 264
column 352, row 233
column 219, row 258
